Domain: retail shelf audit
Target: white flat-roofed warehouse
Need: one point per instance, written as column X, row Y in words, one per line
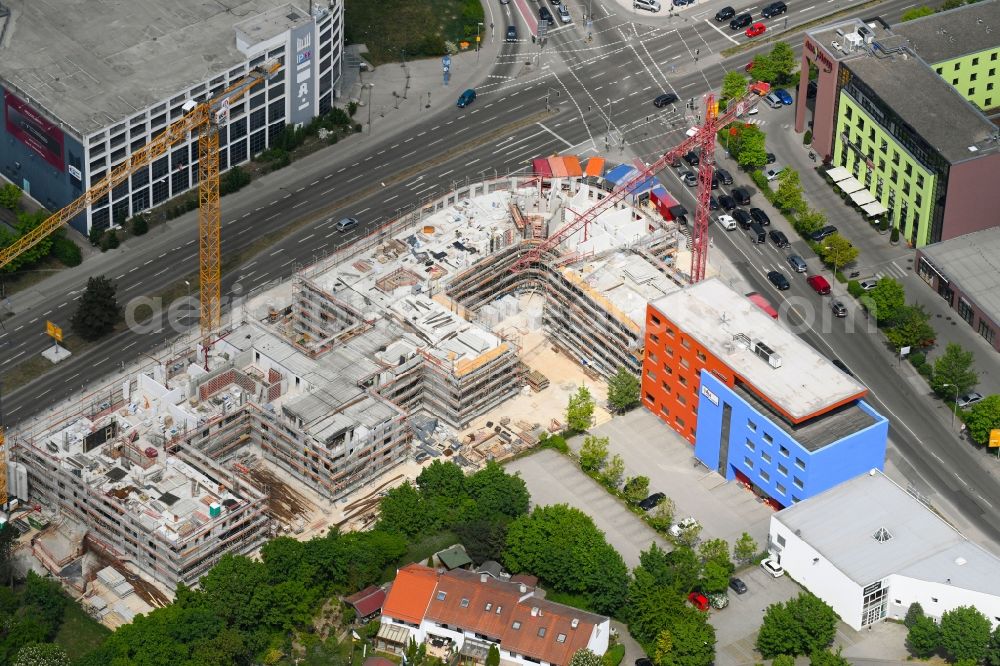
column 87, row 83
column 870, row 549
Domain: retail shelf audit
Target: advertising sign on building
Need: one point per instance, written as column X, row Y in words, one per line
column 301, row 84
column 34, row 131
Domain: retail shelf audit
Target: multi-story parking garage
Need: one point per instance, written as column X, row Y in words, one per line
column 86, row 84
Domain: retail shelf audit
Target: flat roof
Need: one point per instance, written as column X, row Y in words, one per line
column 842, row 524
column 973, row 262
column 952, row 34
column 92, row 64
column 805, row 384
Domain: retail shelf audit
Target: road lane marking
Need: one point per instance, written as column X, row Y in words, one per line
column 716, row 28
column 554, row 134
column 307, row 238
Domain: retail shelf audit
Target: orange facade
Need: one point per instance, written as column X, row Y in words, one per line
column 671, row 373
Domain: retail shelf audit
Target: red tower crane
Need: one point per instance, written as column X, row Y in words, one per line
column 703, row 138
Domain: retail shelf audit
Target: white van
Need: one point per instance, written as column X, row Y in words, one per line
column 727, row 222
column 648, row 5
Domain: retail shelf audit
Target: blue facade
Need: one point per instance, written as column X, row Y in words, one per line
column 733, row 436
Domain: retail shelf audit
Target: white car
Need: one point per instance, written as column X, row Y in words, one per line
column 563, row 14
column 676, row 529
column 773, row 171
column 773, row 569
column 869, row 284
column 727, row 222
column 969, row 399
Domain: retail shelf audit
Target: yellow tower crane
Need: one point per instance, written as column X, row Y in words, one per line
column 203, row 118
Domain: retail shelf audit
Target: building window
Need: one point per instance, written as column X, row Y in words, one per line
column 748, row 463
column 783, row 450
column 972, row 77
column 649, row 397
column 765, row 476
column 954, row 82
column 655, row 338
column 685, row 343
column 751, row 426
column 516, row 625
column 669, row 331
column 781, row 540
column 986, row 331
column 541, row 631
column 465, row 603
column 685, row 363
column 765, row 456
column 670, row 351
column 665, row 410
column 934, row 599
column 993, row 56
column 849, row 112
column 798, row 482
column 958, row 65
column 653, row 358
column 679, row 421
column 972, row 92
column 683, row 380
column 681, row 399
column 799, row 463
column 939, row 70
column 651, row 375
column 701, row 357
column 780, row 488
column 782, row 470
column 965, row 311
column 653, row 318
column 988, row 103
column 920, row 182
column 750, row 444
column 560, row 638
column 666, row 387
column 975, row 61
column 488, row 607
column 441, row 596
column 767, row 438
column 989, row 86
column 795, row 500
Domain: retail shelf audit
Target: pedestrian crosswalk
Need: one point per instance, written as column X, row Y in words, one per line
column 892, row 269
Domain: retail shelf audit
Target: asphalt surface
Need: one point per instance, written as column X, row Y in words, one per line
column 600, row 93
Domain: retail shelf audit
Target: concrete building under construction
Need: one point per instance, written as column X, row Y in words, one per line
column 314, row 382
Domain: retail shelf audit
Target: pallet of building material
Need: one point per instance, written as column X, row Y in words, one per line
column 537, row 381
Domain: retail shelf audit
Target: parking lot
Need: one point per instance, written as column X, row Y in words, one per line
column 736, row 625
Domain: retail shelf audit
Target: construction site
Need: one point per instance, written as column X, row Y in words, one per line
column 440, row 335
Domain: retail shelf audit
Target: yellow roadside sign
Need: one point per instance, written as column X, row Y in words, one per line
column 53, row 331
column 995, row 438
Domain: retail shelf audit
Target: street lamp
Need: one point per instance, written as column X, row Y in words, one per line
column 188, row 300
column 547, row 93
column 369, row 86
column 478, row 26
column 607, row 137
column 954, row 406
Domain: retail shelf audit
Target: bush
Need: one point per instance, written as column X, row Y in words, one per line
column 94, row 236
column 760, row 180
column 927, row 370
column 841, row 278
column 614, row 655
column 854, row 289
column 917, row 359
column 352, row 108
column 557, row 442
column 232, row 181
column 109, row 240
column 883, row 225
column 66, row 251
column 894, row 236
column 807, row 137
column 139, row 225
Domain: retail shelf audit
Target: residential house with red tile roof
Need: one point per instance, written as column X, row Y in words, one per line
column 464, row 612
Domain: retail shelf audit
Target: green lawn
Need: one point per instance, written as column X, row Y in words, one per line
column 389, row 27
column 575, row 600
column 79, row 633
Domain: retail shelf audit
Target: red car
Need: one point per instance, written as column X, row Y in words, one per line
column 749, row 66
column 698, row 600
column 819, row 284
column 756, row 30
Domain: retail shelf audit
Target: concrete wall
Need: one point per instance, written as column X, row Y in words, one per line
column 973, row 196
column 937, row 597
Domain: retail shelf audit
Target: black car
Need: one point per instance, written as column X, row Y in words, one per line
column 644, row 662
column 742, row 196
column 828, row 230
column 715, row 181
column 742, row 218
column 760, row 217
column 779, row 280
column 811, row 90
column 770, row 158
column 725, row 14
column 843, row 368
column 778, row 238
column 545, row 15
column 741, row 21
column 774, row 9
column 727, row 202
column 652, row 501
column 724, row 176
column 512, row 33
column 664, row 99
column 737, row 586
column 691, row 158
column 681, row 3
column 713, row 203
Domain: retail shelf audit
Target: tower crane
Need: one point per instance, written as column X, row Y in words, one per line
column 203, row 118
column 703, row 137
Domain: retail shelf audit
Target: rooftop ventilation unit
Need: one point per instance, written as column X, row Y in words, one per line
column 766, row 353
column 853, row 42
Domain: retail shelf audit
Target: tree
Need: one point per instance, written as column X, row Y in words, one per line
column 828, row 658
column 745, row 548
column 775, row 67
column 593, row 453
column 924, row 637
column 139, row 225
column 715, row 549
column 10, row 196
column 689, row 535
column 583, row 657
column 677, row 569
column 662, row 517
column 664, row 643
column 887, row 299
column 965, row 633
column 41, row 654
column 912, row 613
column 8, row 538
column 916, row 12
column 802, row 625
column 692, row 639
column 94, row 235
column 783, row 660
column 65, row 250
column 788, row 196
column 953, row 373
column 493, row 656
column 403, row 510
column 779, row 632
column 983, row 417
column 651, row 607
column 837, row 251
column 993, row 651
column 26, row 222
column 495, row 493
column 715, row 577
column 580, row 410
column 734, row 85
column 911, row 328
column 440, row 479
column 98, row 310
column 623, row 390
column 562, row 546
column 752, row 153
column 614, row 472
column 636, row 489
column 483, row 539
column 809, row 221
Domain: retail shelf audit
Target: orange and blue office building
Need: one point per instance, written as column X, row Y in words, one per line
column 759, row 405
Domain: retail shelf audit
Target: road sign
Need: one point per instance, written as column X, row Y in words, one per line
column 53, row 331
column 994, row 439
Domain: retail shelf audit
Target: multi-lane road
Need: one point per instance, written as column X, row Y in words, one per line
column 601, row 91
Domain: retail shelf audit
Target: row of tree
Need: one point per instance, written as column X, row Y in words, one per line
column 964, row 636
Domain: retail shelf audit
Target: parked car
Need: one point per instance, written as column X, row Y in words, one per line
column 346, row 224
column 842, row 367
column 715, row 181
column 742, row 218
column 466, row 98
column 811, row 90
column 797, row 263
column 724, row 176
column 773, row 569
column 648, row 5
column 778, row 238
column 819, row 284
column 689, row 179
column 969, row 399
column 741, row 21
column 760, row 217
column 512, row 33
column 676, row 529
column 737, row 586
column 727, row 203
column 713, row 203
column 692, row 158
column 756, row 30
column 681, row 3
column 784, row 95
column 664, row 99
column 742, row 196
column 652, row 501
column 772, row 172
column 725, row 14
column 769, row 158
column 778, row 279
column 869, row 283
column 774, row 9
column 839, row 309
column 698, row 600
column 545, row 15
column 563, row 13
column 828, row 230
column 727, row 222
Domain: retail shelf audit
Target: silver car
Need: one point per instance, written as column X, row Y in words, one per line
column 797, row 263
